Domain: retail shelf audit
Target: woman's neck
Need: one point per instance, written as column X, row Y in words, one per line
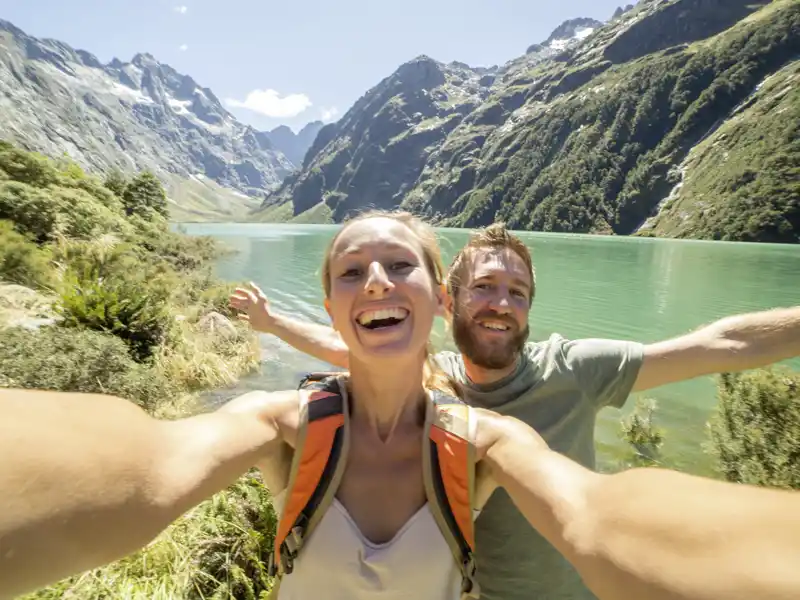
column 383, row 399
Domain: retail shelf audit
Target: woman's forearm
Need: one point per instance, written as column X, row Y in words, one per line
column 655, row 533
column 87, row 479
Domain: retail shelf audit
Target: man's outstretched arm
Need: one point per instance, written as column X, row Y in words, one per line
column 87, row 479
column 320, row 341
column 653, row 533
column 735, row 343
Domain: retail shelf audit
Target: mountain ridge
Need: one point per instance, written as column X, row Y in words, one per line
column 584, row 137
column 136, row 115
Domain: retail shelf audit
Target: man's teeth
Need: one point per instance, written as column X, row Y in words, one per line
column 385, row 313
column 495, row 326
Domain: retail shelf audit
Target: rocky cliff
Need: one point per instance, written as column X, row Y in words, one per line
column 590, row 131
column 132, row 115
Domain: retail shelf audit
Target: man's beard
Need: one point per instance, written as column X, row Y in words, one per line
column 487, row 356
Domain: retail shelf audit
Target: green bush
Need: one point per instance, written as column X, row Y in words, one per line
column 27, row 167
column 235, row 538
column 115, row 182
column 755, row 431
column 84, row 217
column 21, row 260
column 54, row 358
column 127, row 308
column 33, row 211
column 640, row 432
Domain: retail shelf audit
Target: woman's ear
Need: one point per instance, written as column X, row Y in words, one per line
column 447, row 301
column 441, row 297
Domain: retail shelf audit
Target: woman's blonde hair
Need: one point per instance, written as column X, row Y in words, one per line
column 434, row 378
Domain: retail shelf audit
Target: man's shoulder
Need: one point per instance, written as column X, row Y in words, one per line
column 569, row 354
column 540, row 351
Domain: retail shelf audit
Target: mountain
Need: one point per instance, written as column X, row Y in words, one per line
column 133, row 115
column 674, row 118
column 294, row 145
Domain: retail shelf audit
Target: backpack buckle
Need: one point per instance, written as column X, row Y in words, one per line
column 469, row 586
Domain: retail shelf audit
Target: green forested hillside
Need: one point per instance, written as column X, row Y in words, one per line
column 592, row 139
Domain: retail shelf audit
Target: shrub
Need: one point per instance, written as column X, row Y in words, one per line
column 21, row 260
column 33, row 211
column 129, row 309
column 234, row 538
column 83, row 216
column 54, row 358
column 115, row 182
column 640, row 432
column 27, row 167
column 755, row 432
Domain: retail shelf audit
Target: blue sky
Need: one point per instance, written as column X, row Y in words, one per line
column 294, row 62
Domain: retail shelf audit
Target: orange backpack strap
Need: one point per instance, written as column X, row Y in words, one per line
column 317, row 466
column 449, row 475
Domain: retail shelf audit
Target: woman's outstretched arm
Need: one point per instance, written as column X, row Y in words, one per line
column 86, row 479
column 652, row 533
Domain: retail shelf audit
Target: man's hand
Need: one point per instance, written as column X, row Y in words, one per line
column 254, row 306
column 731, row 344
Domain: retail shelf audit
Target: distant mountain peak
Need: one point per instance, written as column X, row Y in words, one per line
column 571, row 29
column 132, row 115
column 295, row 145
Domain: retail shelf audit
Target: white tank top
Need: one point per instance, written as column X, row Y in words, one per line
column 339, row 563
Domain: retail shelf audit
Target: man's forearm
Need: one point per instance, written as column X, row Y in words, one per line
column 734, row 343
column 759, row 339
column 319, row 341
column 88, row 479
column 654, row 533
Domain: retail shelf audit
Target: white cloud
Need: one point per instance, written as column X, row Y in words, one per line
column 183, row 9
column 183, row 47
column 270, row 103
column 329, row 114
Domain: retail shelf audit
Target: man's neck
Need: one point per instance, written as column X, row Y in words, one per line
column 484, row 376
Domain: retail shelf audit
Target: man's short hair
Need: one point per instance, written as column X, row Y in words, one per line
column 496, row 237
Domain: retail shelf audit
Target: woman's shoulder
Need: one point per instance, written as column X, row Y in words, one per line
column 281, row 407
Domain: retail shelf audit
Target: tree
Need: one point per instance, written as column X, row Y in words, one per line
column 143, row 194
column 116, row 182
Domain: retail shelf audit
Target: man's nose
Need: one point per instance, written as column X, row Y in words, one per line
column 500, row 304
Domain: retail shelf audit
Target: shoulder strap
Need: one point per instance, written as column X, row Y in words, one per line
column 449, row 475
column 317, row 466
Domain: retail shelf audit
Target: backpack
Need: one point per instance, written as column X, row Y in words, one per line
column 318, row 465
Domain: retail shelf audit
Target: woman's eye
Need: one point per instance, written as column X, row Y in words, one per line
column 351, row 273
column 401, row 265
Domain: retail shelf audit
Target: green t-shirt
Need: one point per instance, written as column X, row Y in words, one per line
column 557, row 388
